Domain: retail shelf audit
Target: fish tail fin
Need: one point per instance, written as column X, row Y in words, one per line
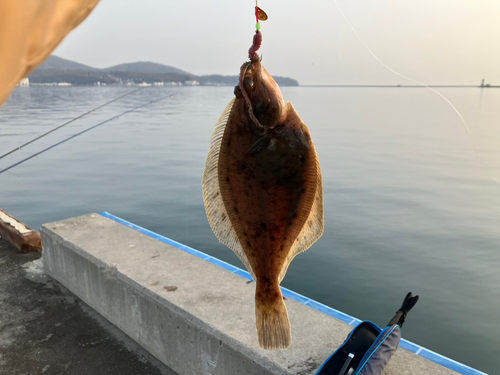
column 271, row 317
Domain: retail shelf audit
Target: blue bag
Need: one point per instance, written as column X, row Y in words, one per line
column 366, row 351
column 368, row 348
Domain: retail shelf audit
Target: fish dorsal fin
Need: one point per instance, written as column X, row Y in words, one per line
column 314, row 226
column 214, row 206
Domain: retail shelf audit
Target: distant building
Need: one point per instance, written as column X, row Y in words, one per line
column 485, row 85
column 24, row 82
column 64, row 84
column 191, row 83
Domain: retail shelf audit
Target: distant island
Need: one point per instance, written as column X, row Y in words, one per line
column 58, row 71
column 62, row 72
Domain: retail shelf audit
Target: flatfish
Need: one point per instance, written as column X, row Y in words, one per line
column 263, row 192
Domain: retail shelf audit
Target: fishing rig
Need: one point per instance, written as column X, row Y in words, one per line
column 260, row 15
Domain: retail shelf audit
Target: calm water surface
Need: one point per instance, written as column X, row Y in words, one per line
column 409, row 206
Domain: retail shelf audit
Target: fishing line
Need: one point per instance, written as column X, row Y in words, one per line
column 420, row 84
column 69, row 122
column 84, row 131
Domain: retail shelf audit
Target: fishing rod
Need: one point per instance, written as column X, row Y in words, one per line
column 86, row 130
column 69, row 122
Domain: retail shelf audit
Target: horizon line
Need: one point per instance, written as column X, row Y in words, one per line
column 407, row 86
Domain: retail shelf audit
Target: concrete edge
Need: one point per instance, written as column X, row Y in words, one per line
column 405, row 344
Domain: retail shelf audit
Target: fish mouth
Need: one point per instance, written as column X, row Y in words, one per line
column 262, row 94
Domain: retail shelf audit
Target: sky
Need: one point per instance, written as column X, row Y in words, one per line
column 432, row 41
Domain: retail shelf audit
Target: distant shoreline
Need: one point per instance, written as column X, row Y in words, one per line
column 228, row 85
column 64, row 84
column 56, row 71
column 407, row 86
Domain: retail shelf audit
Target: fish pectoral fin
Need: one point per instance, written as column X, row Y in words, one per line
column 260, row 144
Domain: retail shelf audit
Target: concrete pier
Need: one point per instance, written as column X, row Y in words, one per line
column 192, row 315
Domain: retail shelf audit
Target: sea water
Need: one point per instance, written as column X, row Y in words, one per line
column 411, row 203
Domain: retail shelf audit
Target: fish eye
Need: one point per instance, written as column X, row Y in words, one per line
column 249, row 85
column 237, row 92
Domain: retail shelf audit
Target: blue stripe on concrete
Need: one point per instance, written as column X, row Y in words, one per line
column 222, row 264
column 295, row 296
column 243, row 273
column 329, row 311
column 408, row 345
column 405, row 344
column 449, row 363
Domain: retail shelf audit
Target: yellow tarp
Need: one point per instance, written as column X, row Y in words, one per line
column 30, row 30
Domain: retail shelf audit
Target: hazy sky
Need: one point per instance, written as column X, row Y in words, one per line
column 434, row 41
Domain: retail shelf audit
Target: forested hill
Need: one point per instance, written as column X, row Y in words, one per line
column 57, row 70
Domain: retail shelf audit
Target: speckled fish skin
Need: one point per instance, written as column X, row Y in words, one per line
column 268, row 180
column 270, row 185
